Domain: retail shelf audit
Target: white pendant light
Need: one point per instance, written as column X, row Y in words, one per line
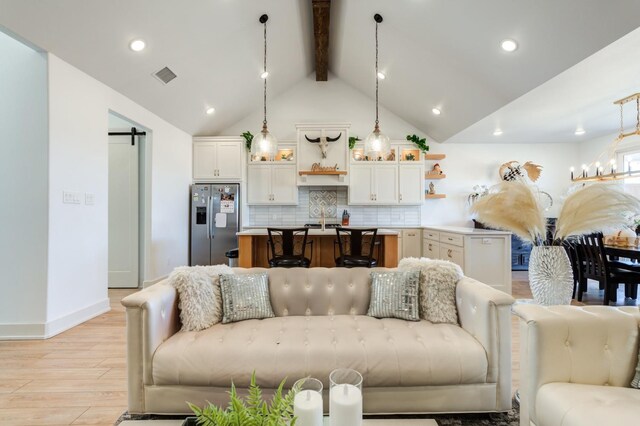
column 264, row 144
column 377, row 144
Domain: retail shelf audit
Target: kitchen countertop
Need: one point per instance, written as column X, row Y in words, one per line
column 466, row 231
column 312, row 231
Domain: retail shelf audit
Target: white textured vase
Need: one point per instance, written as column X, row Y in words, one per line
column 550, row 275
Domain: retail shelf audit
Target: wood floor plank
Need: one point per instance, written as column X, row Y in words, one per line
column 63, row 399
column 84, row 354
column 115, row 373
column 11, row 385
column 114, row 363
column 74, row 385
column 54, row 373
column 40, row 416
column 99, row 415
column 51, row 363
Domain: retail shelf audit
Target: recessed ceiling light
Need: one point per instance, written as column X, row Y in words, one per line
column 264, row 75
column 580, row 132
column 497, row 132
column 137, row 45
column 210, row 110
column 509, row 45
column 436, row 111
column 381, row 76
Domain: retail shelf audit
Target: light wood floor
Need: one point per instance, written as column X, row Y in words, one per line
column 79, row 376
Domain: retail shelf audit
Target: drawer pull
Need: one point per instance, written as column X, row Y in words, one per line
column 449, row 253
column 449, row 238
column 411, row 235
column 430, row 247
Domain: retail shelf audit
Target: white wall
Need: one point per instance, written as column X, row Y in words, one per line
column 469, row 164
column 79, row 107
column 465, row 165
column 23, row 188
column 320, row 102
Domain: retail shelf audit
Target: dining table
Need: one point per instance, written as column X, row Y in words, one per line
column 632, row 253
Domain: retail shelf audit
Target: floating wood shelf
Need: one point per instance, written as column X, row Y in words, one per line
column 430, row 176
column 320, row 173
column 435, row 156
column 430, row 196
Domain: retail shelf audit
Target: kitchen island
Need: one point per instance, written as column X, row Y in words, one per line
column 253, row 250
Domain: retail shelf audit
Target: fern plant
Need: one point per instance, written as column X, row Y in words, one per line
column 253, row 411
column 419, row 142
column 248, row 138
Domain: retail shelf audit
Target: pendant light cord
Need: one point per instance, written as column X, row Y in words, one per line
column 264, row 122
column 377, row 78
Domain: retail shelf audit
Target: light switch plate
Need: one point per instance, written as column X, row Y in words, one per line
column 89, row 199
column 70, row 197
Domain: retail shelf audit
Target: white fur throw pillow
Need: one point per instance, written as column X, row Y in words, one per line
column 199, row 298
column 438, row 279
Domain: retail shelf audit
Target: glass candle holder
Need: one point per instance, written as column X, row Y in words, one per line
column 307, row 404
column 345, row 398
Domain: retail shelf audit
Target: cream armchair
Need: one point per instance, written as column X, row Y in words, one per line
column 576, row 365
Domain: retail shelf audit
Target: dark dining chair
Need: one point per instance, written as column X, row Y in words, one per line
column 287, row 248
column 571, row 247
column 598, row 267
column 355, row 247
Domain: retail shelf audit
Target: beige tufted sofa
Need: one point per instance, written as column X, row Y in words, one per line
column 320, row 325
column 576, row 365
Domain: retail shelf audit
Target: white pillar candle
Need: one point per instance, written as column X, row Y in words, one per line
column 307, row 407
column 345, row 405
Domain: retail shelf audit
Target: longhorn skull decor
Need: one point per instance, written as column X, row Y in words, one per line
column 323, row 142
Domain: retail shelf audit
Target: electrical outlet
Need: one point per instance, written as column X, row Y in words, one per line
column 89, row 199
column 274, row 217
column 486, row 241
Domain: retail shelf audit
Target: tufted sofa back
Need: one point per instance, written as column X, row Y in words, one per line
column 317, row 291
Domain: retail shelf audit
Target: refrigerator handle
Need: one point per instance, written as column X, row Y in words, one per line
column 211, row 233
column 209, row 217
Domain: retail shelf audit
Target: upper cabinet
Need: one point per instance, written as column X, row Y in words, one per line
column 395, row 179
column 217, row 159
column 272, row 184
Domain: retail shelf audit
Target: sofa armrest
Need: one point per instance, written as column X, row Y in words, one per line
column 485, row 313
column 152, row 317
column 595, row 345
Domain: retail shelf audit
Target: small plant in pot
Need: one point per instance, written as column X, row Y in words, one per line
column 248, row 138
column 249, row 411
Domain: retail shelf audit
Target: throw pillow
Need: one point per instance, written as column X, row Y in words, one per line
column 395, row 295
column 635, row 383
column 438, row 279
column 245, row 297
column 199, row 298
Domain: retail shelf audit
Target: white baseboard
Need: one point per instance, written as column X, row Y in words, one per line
column 149, row 283
column 52, row 328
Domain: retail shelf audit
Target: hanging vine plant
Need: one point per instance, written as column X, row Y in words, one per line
column 352, row 141
column 419, row 142
column 248, row 138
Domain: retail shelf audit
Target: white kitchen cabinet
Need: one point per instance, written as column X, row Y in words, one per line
column 484, row 255
column 411, row 184
column 361, row 185
column 272, row 184
column 283, row 184
column 373, row 184
column 411, row 243
column 385, row 184
column 217, row 159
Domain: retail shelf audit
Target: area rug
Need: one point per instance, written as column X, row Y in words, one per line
column 510, row 418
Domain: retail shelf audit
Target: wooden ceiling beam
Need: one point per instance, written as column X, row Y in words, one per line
column 321, row 16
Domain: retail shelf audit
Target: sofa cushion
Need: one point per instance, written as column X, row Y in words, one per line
column 571, row 404
column 388, row 352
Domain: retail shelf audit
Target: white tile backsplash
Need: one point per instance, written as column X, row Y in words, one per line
column 360, row 215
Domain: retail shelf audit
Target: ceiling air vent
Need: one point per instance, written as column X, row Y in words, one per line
column 165, row 75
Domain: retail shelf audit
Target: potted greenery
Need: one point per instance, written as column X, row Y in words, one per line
column 252, row 411
column 248, row 138
column 419, row 142
column 352, row 141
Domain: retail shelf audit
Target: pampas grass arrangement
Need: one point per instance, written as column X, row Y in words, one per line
column 515, row 207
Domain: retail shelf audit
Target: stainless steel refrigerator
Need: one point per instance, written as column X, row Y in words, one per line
column 215, row 219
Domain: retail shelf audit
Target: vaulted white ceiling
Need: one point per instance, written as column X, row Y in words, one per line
column 434, row 52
